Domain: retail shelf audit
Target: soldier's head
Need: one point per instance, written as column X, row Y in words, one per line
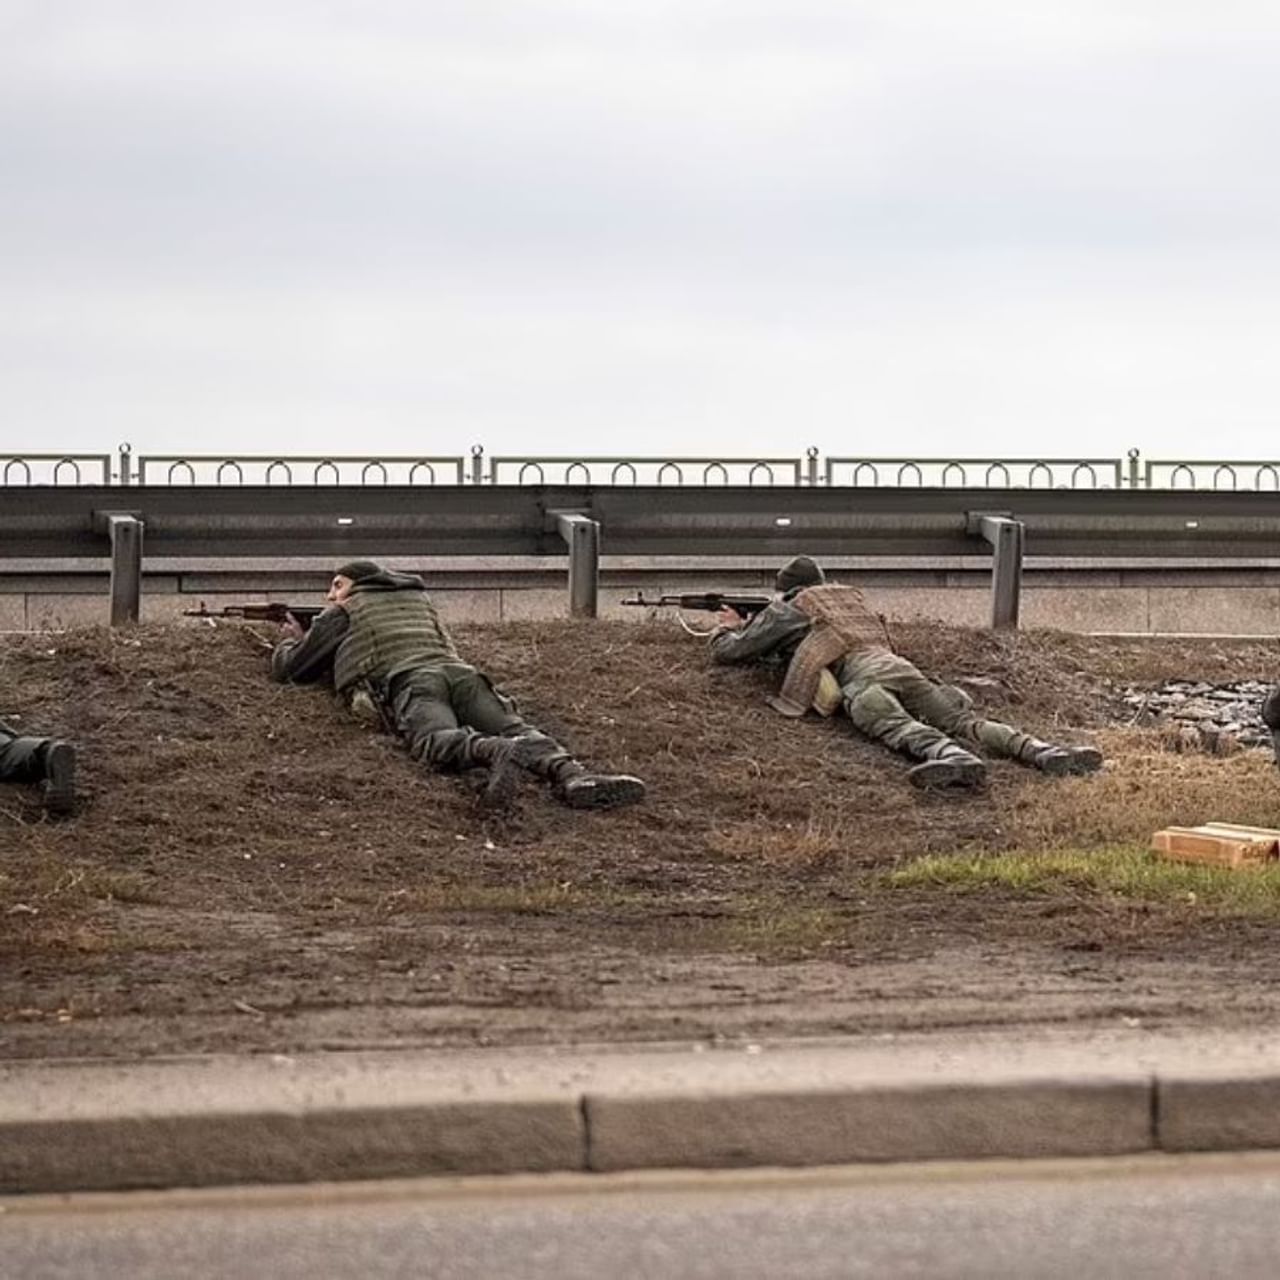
column 799, row 571
column 346, row 576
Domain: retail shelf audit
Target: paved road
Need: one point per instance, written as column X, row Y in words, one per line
column 1203, row 1216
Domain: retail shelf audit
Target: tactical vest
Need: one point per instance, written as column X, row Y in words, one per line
column 390, row 631
column 842, row 624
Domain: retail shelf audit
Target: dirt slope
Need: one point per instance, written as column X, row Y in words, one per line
column 253, row 870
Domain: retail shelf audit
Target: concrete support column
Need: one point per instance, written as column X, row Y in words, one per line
column 1006, row 536
column 582, row 534
column 126, row 568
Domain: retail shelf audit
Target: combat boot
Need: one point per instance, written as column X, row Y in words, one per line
column 953, row 767
column 1085, row 759
column 1060, row 761
column 59, row 784
column 599, row 790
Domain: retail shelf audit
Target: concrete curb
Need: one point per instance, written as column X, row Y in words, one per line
column 71, row 1126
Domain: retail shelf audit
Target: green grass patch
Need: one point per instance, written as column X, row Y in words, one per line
column 1126, row 871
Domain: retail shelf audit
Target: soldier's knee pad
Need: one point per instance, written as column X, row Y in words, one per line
column 955, row 697
column 870, row 705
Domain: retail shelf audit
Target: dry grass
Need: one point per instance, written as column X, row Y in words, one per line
column 1143, row 788
column 811, row 844
column 517, row 899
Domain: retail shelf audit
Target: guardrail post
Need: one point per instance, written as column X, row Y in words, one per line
column 125, row 531
column 582, row 534
column 1005, row 535
column 812, row 468
column 477, row 464
column 126, row 464
column 1135, row 480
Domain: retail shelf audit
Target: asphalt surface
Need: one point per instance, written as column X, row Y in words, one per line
column 1133, row 1217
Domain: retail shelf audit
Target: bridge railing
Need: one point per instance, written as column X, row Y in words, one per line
column 330, row 469
column 980, row 473
column 1260, row 476
column 55, row 468
column 570, row 469
column 810, row 471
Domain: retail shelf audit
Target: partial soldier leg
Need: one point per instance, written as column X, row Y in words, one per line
column 1271, row 718
column 952, row 709
column 522, row 746
column 49, row 763
column 424, row 717
column 877, row 713
column 423, row 714
column 59, row 778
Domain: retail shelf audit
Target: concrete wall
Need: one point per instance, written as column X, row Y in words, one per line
column 1073, row 596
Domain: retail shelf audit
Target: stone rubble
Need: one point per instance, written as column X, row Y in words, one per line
column 1201, row 715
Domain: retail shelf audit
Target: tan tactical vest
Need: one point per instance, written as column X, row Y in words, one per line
column 390, row 631
column 842, row 624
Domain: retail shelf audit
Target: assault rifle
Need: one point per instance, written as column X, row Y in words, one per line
column 706, row 602
column 272, row 611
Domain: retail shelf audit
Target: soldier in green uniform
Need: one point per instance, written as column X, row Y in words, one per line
column 815, row 627
column 48, row 763
column 382, row 639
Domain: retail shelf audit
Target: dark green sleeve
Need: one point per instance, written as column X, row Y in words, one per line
column 310, row 660
column 779, row 627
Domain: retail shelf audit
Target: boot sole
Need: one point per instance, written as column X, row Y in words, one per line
column 943, row 775
column 60, row 780
column 1086, row 760
column 605, row 795
column 1057, row 766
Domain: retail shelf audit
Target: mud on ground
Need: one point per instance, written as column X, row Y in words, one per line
column 251, row 870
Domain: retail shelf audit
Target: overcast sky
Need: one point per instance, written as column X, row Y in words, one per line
column 636, row 226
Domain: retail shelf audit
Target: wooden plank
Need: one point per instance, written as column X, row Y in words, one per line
column 1215, row 848
column 1237, row 828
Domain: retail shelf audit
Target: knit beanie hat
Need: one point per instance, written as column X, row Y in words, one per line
column 358, row 569
column 799, row 571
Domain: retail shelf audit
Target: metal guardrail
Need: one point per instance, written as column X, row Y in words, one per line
column 1131, row 472
column 641, row 520
column 760, row 522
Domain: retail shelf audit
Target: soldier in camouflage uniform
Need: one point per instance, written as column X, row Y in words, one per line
column 815, row 627
column 48, row 763
column 382, row 639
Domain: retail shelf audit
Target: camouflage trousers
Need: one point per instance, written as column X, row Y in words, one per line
column 451, row 717
column 889, row 699
column 21, row 758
